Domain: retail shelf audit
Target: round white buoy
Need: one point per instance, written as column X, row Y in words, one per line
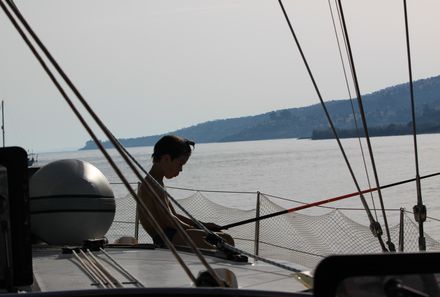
column 70, row 201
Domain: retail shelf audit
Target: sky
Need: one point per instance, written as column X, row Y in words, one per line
column 149, row 67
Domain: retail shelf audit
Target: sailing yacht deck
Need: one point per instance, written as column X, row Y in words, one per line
column 55, row 271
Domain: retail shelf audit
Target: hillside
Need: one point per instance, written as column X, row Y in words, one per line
column 389, row 107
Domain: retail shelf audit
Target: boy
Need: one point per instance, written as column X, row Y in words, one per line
column 169, row 156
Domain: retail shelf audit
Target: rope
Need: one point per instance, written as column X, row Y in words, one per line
column 351, row 104
column 419, row 209
column 86, row 126
column 99, row 269
column 89, row 271
column 129, row 276
column 391, row 246
column 118, row 147
column 108, row 134
column 374, row 226
column 104, row 270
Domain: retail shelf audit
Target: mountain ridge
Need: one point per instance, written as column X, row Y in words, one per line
column 385, row 107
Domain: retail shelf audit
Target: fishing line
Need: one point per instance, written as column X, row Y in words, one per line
column 321, row 202
column 374, row 225
column 105, row 130
column 419, row 209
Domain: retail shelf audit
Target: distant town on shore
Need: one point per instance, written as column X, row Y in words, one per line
column 388, row 112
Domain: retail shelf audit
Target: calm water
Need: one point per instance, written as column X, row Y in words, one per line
column 302, row 170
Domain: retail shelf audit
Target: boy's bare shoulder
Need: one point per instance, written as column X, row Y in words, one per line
column 147, row 187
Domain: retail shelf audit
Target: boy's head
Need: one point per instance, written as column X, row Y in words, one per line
column 172, row 145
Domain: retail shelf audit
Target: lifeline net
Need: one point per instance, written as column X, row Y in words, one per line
column 294, row 237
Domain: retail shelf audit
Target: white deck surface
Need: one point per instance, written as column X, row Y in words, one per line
column 54, row 271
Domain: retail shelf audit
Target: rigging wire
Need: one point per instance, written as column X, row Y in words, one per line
column 374, row 225
column 390, row 244
column 221, row 245
column 358, row 136
column 98, row 143
column 69, row 102
column 419, row 208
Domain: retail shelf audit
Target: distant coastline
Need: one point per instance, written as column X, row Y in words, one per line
column 388, row 113
column 390, row 130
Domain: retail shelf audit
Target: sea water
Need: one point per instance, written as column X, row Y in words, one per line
column 300, row 170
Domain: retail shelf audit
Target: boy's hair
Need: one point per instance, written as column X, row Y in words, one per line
column 172, row 145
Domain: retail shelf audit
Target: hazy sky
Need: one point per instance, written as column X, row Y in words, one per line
column 149, row 67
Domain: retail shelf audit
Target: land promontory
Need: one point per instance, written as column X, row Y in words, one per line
column 388, row 112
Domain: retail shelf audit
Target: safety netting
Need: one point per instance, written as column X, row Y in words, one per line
column 295, row 237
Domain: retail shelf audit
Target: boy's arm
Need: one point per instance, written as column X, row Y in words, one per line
column 187, row 223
